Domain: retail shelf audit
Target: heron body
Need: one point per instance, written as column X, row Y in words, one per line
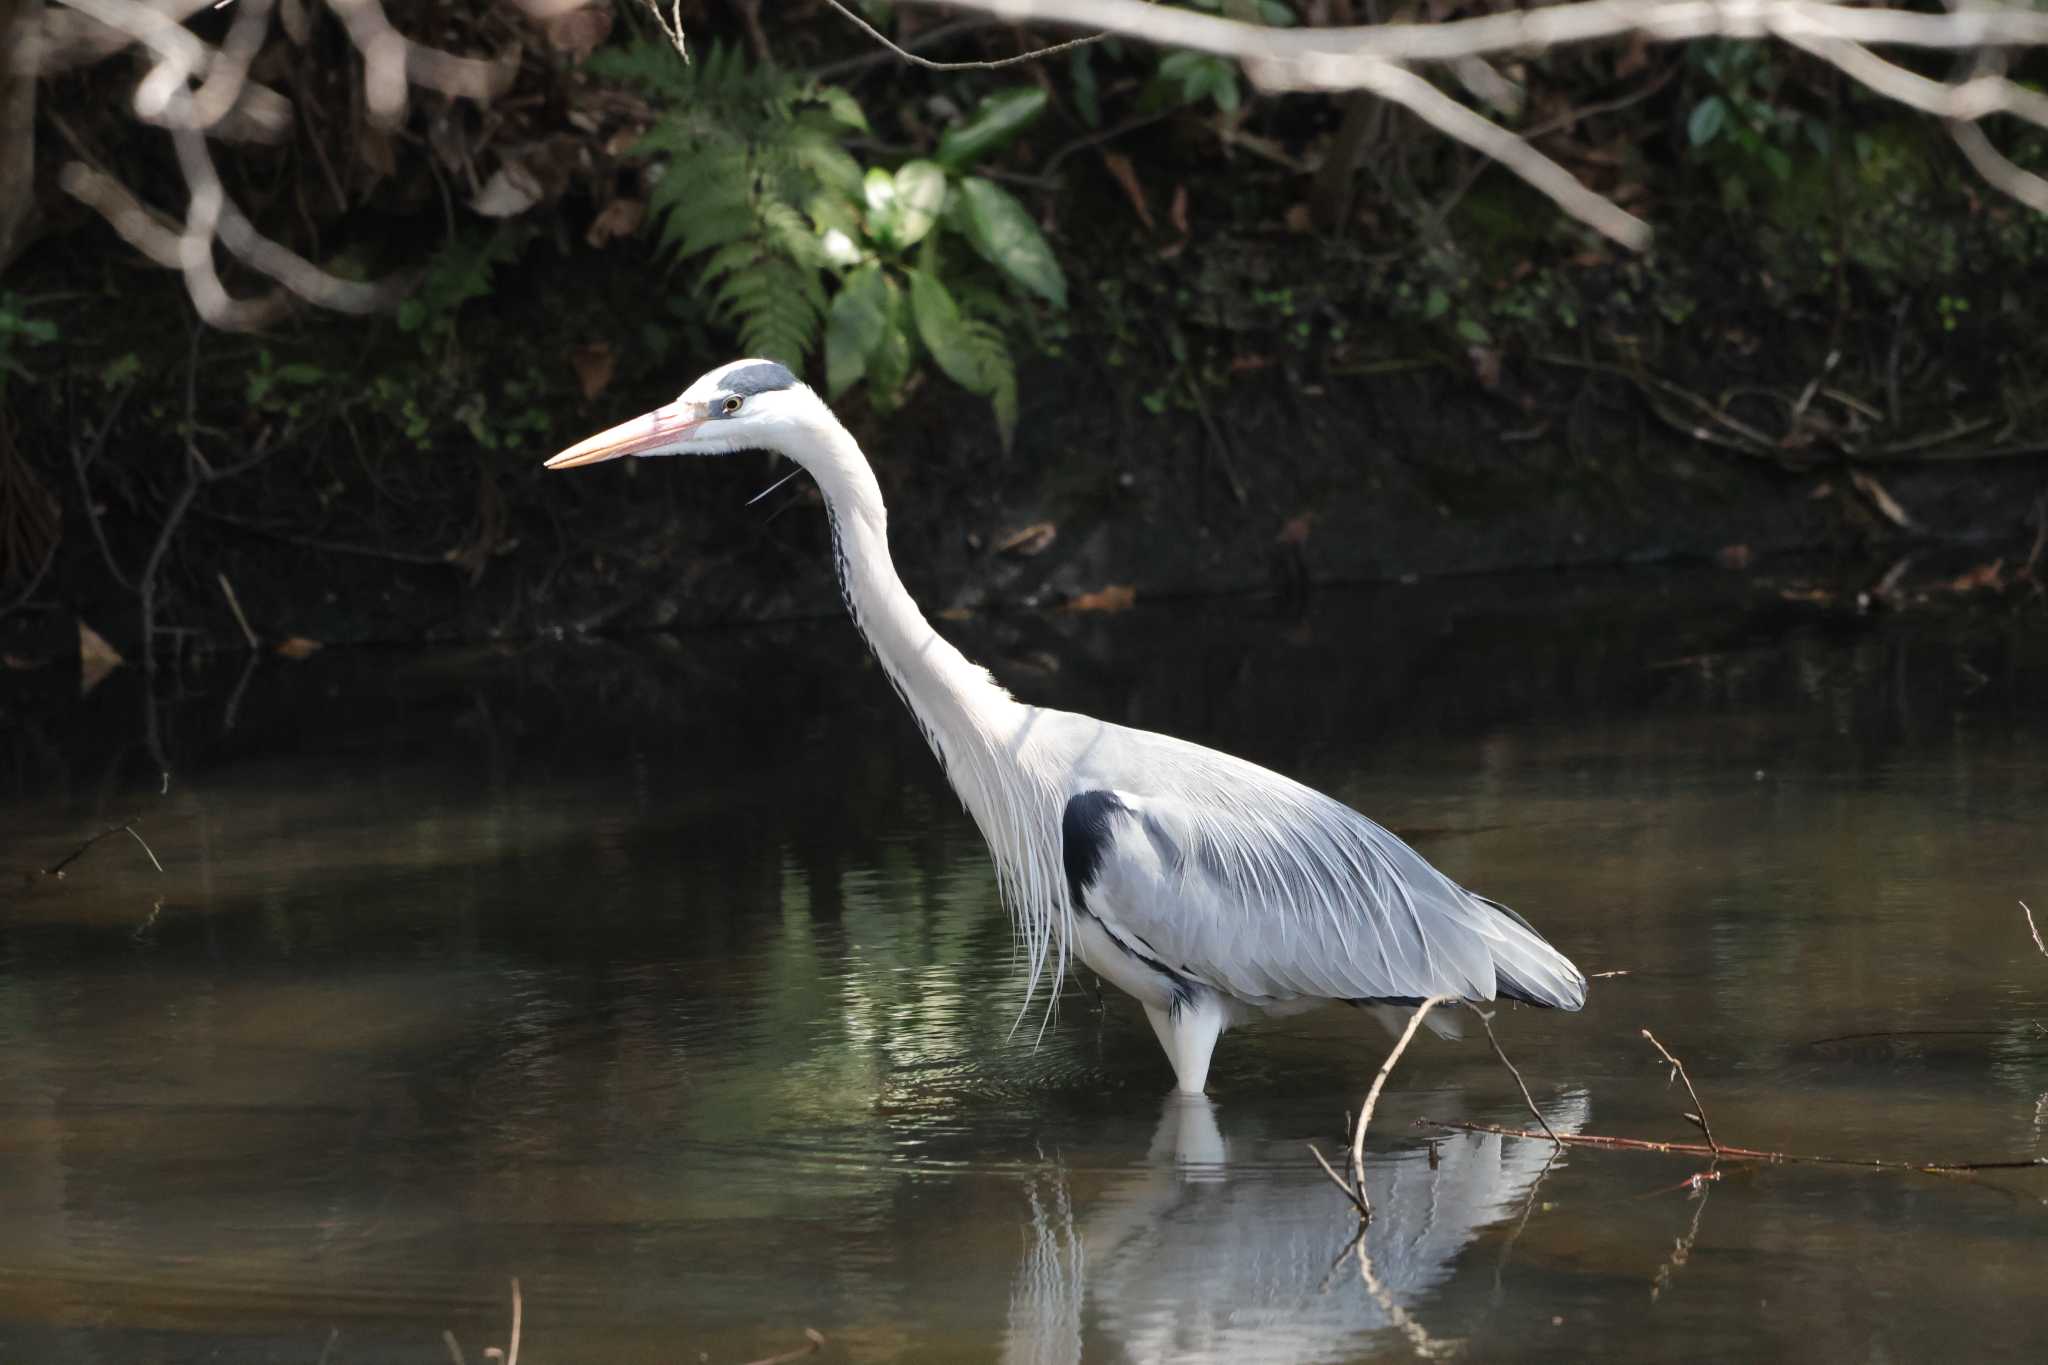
column 1209, row 888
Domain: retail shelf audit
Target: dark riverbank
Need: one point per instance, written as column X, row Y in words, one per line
column 1840, row 362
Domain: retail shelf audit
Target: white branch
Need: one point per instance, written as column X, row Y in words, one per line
column 1378, row 58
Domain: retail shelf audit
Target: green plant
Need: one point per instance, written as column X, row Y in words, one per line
column 1745, row 125
column 18, row 331
column 802, row 247
column 1190, row 77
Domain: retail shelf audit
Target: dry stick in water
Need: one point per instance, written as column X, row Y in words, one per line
column 811, row 1334
column 1678, row 1067
column 1486, row 1022
column 1355, row 1191
column 2032, row 929
column 56, row 869
column 1727, row 1153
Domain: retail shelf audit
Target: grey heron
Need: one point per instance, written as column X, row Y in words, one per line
column 1211, row 889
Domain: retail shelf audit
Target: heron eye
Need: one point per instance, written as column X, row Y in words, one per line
column 732, row 405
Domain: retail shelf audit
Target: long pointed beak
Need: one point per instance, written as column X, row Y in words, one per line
column 649, row 431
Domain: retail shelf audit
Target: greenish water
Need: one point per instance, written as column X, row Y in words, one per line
column 668, row 978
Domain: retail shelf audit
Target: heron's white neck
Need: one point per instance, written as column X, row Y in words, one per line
column 960, row 707
column 980, row 734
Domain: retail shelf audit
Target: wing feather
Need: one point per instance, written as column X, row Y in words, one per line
column 1269, row 891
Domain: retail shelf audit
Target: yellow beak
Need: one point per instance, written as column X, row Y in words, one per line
column 649, row 431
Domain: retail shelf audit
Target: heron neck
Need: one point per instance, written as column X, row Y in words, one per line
column 965, row 715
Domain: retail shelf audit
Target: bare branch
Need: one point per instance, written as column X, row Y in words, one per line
column 1378, row 58
column 2034, row 929
column 1968, row 100
column 671, row 24
column 391, row 60
column 1992, row 164
column 931, row 65
column 1678, row 1067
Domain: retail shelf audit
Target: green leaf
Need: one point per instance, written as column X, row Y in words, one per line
column 829, row 210
column 889, row 362
column 1003, row 398
column 944, row 332
column 1708, row 116
column 843, row 106
column 920, row 194
column 878, row 188
column 995, row 121
column 1000, row 229
column 1223, row 85
column 854, row 327
column 1087, row 91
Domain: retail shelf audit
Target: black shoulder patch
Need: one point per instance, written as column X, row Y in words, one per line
column 1084, row 837
column 765, row 377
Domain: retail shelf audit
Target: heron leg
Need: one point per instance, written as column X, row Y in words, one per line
column 1189, row 1036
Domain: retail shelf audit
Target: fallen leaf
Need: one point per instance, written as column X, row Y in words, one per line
column 1031, row 540
column 1883, row 501
column 298, row 647
column 1178, row 213
column 1120, row 167
column 1990, row 575
column 511, row 191
column 96, row 658
column 1298, row 219
column 1294, row 531
column 594, row 364
column 1485, row 365
column 1116, row 597
column 18, row 663
column 1817, row 596
column 1586, row 260
column 1246, row 364
column 1732, row 556
column 1820, row 490
column 620, row 218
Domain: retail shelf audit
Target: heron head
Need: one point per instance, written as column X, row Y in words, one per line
column 747, row 405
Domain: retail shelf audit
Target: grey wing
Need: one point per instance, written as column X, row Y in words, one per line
column 1271, row 891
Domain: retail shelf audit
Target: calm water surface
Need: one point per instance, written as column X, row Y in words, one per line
column 668, row 977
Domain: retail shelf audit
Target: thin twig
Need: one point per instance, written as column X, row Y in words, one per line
column 82, row 462
column 454, row 1347
column 248, row 633
column 1356, row 1190
column 1679, row 1067
column 811, row 1335
column 145, row 847
column 56, row 869
column 672, row 25
column 1486, row 1022
column 1725, row 1153
column 2033, row 929
column 1364, row 1208
column 930, row 65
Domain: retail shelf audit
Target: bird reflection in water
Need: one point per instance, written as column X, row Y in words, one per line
column 1188, row 1259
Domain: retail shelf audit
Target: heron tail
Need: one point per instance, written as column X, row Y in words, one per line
column 1526, row 967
